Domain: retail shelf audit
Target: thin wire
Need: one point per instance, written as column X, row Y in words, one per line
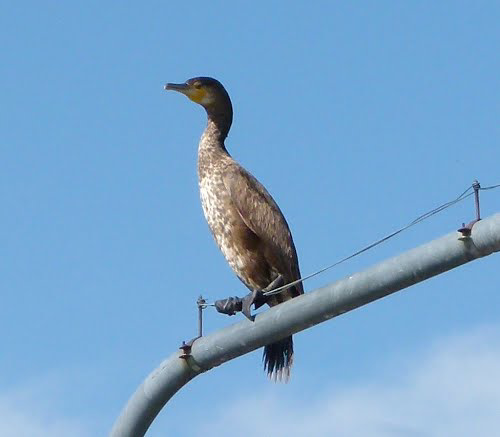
column 490, row 187
column 419, row 219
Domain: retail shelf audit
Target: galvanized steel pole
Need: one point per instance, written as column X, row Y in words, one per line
column 301, row 313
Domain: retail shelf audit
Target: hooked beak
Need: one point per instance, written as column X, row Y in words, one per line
column 180, row 87
column 197, row 95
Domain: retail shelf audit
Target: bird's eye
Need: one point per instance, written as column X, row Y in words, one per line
column 197, row 85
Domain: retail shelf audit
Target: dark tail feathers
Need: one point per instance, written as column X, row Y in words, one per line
column 278, row 359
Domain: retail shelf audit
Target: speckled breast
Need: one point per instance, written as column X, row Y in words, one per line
column 223, row 219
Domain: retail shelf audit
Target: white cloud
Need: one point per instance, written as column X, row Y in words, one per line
column 453, row 389
column 29, row 412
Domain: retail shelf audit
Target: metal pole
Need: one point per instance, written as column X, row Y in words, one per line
column 301, row 313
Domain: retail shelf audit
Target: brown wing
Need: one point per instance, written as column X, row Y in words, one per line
column 262, row 215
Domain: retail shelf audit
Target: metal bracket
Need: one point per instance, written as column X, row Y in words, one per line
column 201, row 303
column 186, row 347
column 467, row 229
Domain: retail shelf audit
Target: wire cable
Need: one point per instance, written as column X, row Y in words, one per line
column 419, row 219
column 490, row 187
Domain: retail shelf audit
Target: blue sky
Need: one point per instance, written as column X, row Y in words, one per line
column 357, row 116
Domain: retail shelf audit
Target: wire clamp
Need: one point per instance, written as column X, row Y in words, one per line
column 467, row 229
column 202, row 304
column 186, row 347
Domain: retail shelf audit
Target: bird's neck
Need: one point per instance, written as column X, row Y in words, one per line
column 214, row 135
column 219, row 122
column 211, row 150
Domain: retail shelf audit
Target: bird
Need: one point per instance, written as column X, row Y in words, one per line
column 246, row 223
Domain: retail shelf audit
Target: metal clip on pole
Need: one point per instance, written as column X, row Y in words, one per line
column 467, row 229
column 186, row 347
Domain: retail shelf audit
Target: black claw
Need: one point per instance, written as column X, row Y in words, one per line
column 232, row 305
column 246, row 307
column 255, row 297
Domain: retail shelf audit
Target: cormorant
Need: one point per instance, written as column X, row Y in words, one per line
column 246, row 222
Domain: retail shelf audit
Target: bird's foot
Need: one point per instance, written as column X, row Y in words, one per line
column 255, row 297
column 275, row 283
column 232, row 305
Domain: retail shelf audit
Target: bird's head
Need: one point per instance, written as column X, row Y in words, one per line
column 205, row 91
column 210, row 94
